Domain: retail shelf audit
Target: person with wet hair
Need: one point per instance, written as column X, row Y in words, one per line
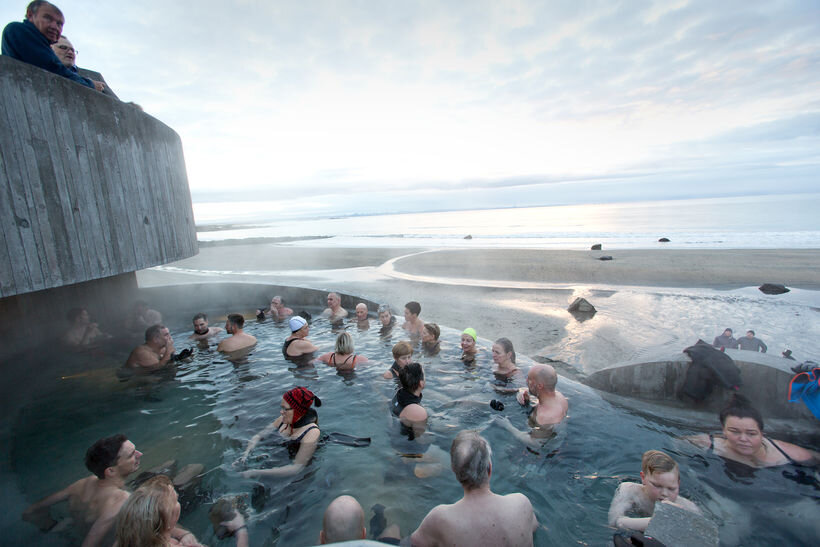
column 82, row 331
column 276, row 310
column 344, row 358
column 155, row 353
column 201, row 329
column 743, row 439
column 298, row 426
column 237, row 340
column 430, row 344
column 412, row 324
column 633, row 504
column 480, row 517
column 750, row 343
column 94, row 501
column 406, row 403
column 402, row 356
column 386, row 320
column 297, row 346
column 334, row 310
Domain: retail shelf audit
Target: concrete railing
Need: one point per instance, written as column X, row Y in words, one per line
column 90, row 187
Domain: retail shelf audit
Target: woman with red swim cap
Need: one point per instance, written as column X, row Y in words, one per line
column 297, row 424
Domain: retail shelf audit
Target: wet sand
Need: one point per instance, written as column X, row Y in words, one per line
column 648, row 300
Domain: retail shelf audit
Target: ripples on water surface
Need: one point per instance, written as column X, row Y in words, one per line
column 210, row 409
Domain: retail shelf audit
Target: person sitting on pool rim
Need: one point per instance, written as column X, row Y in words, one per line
column 743, row 440
column 298, row 424
column 660, row 482
column 468, row 346
column 297, row 345
column 343, row 359
column 238, row 339
column 402, row 356
column 430, row 344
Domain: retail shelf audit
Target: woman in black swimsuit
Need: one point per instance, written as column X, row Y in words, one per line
column 743, row 440
column 297, row 424
column 343, row 358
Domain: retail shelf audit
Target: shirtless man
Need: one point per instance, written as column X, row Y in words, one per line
column 660, row 482
column 95, row 501
column 142, row 317
column 344, row 521
column 82, row 331
column 155, row 352
column 277, row 309
column 480, row 517
column 334, row 310
column 238, row 339
column 412, row 323
column 201, row 329
column 362, row 322
column 549, row 405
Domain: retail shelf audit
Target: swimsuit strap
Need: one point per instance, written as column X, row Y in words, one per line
column 780, row 450
column 305, row 432
column 332, row 360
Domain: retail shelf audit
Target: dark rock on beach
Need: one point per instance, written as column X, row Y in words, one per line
column 605, row 257
column 773, row 288
column 468, row 236
column 663, row 240
column 581, row 305
column 596, row 247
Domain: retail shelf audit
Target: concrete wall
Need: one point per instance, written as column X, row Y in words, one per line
column 90, row 187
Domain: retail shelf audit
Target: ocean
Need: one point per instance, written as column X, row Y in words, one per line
column 743, row 222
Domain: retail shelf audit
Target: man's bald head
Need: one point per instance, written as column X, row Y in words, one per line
column 544, row 375
column 343, row 521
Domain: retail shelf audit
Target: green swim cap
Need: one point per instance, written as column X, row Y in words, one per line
column 471, row 332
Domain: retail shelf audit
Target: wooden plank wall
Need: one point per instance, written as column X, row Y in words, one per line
column 90, row 187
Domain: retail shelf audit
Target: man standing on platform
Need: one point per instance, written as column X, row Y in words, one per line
column 750, row 343
column 30, row 41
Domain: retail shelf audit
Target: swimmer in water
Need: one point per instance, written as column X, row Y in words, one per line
column 343, row 359
column 386, row 319
column 430, row 344
column 660, row 482
column 201, row 329
column 155, row 353
column 743, row 439
column 362, row 322
column 277, row 309
column 468, row 346
column 406, row 403
column 297, row 424
column 297, row 344
column 238, row 339
column 95, row 501
column 402, row 356
column 412, row 324
column 142, row 317
column 344, row 521
column 82, row 332
column 334, row 310
column 550, row 405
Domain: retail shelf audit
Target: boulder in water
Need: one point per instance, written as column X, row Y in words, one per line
column 581, row 305
column 663, row 240
column 468, row 236
column 773, row 288
column 596, row 247
column 605, row 257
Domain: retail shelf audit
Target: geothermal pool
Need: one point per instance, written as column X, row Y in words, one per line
column 206, row 412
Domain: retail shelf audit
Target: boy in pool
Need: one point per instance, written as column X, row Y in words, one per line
column 660, row 482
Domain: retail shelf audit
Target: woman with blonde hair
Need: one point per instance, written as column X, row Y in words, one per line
column 343, row 358
column 149, row 518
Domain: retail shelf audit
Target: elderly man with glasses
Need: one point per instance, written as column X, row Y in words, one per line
column 67, row 55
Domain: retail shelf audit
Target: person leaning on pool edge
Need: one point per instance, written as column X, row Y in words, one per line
column 743, row 440
column 30, row 41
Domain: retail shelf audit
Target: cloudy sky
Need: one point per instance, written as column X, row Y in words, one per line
column 362, row 106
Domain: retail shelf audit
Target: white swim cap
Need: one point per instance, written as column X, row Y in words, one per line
column 296, row 322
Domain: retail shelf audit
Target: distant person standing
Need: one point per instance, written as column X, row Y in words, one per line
column 334, row 310
column 30, row 41
column 725, row 340
column 481, row 517
column 750, row 343
column 67, row 55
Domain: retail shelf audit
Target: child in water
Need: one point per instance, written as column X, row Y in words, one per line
column 660, row 482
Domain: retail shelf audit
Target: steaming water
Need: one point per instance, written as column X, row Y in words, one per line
column 212, row 406
column 743, row 222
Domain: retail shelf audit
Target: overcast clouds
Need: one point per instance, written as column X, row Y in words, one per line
column 395, row 105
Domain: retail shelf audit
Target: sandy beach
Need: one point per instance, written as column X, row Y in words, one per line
column 647, row 300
